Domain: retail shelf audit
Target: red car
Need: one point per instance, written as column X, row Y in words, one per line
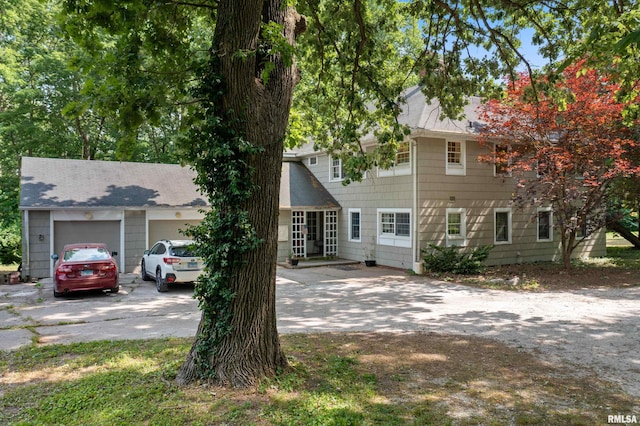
column 88, row 266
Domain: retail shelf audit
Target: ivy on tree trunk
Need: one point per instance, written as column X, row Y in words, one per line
column 237, row 152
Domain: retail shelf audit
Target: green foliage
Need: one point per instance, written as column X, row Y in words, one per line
column 611, row 43
column 358, row 58
column 10, row 223
column 136, row 66
column 10, row 244
column 455, row 259
column 273, row 44
column 626, row 217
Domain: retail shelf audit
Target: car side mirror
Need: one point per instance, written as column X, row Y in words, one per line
column 54, row 256
column 114, row 253
column 146, row 252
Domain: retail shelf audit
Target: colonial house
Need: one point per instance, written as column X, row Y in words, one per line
column 436, row 192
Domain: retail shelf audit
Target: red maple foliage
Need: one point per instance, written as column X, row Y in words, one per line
column 564, row 145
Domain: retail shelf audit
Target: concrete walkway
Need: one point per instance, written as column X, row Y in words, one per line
column 596, row 330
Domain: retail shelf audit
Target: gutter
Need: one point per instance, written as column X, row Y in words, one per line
column 26, row 265
column 417, row 264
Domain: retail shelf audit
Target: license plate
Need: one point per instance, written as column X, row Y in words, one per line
column 86, row 273
column 192, row 265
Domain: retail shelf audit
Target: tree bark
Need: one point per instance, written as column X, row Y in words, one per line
column 252, row 351
column 624, row 233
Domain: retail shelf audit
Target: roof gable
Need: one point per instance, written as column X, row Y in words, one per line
column 422, row 114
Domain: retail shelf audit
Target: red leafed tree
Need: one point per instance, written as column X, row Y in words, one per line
column 564, row 145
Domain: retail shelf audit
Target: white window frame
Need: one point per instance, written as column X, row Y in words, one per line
column 459, row 239
column 544, row 210
column 456, row 169
column 538, row 174
column 312, row 161
column 509, row 225
column 581, row 232
column 331, row 169
column 398, row 169
column 391, row 239
column 495, row 165
column 351, row 212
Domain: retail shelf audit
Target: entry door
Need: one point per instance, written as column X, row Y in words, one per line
column 298, row 234
column 330, row 233
column 315, row 233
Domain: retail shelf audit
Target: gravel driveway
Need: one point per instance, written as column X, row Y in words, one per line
column 595, row 330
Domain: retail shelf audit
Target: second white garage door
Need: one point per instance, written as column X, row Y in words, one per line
column 168, row 230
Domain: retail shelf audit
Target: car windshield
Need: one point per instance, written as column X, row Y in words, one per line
column 86, row 254
column 182, row 251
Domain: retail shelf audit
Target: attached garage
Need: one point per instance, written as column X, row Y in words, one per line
column 128, row 206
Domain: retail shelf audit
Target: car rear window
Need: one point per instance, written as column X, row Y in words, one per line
column 182, row 251
column 86, row 254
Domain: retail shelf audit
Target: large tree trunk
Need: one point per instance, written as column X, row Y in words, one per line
column 251, row 351
column 624, row 233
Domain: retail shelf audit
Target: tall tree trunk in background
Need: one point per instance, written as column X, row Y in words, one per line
column 252, row 351
column 618, row 227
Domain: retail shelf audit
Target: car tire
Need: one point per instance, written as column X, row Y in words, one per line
column 160, row 284
column 143, row 272
column 114, row 290
column 55, row 293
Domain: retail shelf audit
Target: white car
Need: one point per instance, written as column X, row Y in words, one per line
column 171, row 261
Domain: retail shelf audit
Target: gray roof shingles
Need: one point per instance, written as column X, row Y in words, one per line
column 54, row 183
column 300, row 190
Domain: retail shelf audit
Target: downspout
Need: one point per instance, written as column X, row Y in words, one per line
column 417, row 264
column 26, row 265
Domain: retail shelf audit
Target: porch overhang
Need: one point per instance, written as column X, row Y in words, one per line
column 300, row 190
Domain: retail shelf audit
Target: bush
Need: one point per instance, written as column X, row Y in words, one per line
column 454, row 259
column 10, row 244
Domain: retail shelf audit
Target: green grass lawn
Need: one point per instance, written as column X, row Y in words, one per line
column 334, row 379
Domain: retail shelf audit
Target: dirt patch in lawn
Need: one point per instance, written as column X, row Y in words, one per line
column 464, row 380
column 548, row 277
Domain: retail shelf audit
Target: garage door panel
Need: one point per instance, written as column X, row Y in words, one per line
column 168, row 230
column 98, row 231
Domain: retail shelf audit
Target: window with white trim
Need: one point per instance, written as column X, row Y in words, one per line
column 502, row 226
column 313, row 161
column 501, row 161
column 542, row 168
column 403, row 155
column 402, row 164
column 456, row 227
column 456, row 163
column 581, row 232
column 394, row 227
column 545, row 224
column 355, row 225
column 336, row 169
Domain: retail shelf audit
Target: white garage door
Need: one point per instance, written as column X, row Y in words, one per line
column 94, row 231
column 168, row 230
